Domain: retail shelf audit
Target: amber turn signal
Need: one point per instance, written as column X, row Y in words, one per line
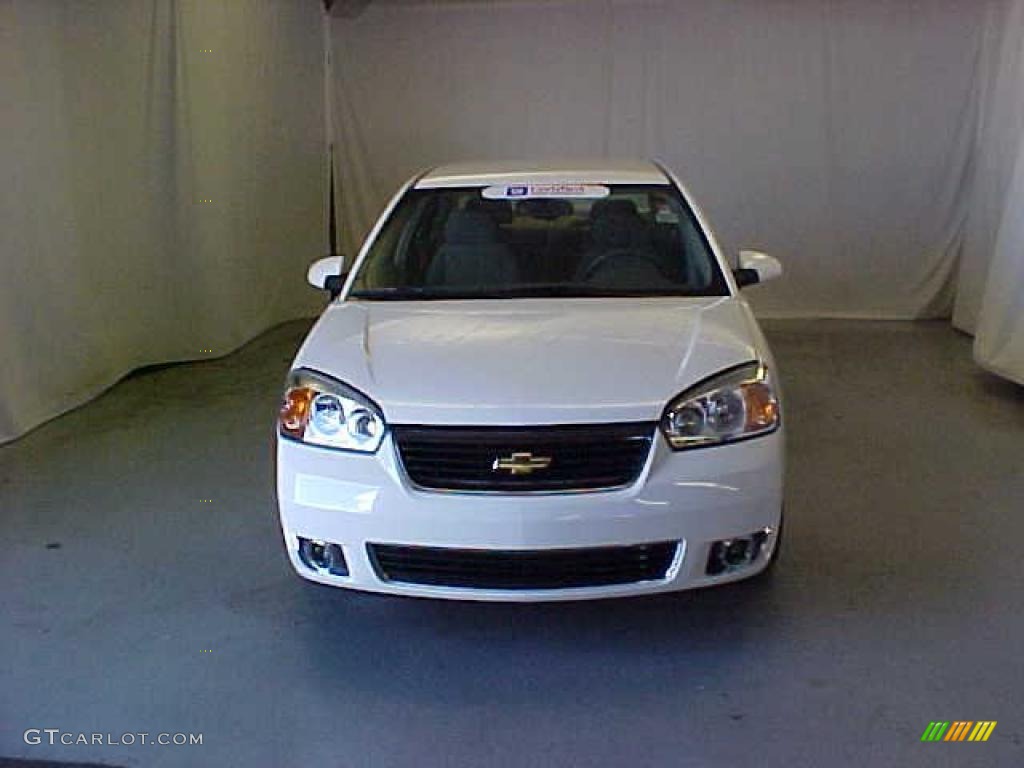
column 295, row 411
column 762, row 408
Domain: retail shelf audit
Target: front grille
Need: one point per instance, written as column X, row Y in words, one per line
column 563, row 458
column 522, row 569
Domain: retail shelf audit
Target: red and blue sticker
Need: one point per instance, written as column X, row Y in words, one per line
column 557, row 189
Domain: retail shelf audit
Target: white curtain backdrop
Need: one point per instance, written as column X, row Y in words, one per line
column 998, row 213
column 1000, row 127
column 835, row 134
column 163, row 186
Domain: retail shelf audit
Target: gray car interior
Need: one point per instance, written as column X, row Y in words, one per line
column 468, row 240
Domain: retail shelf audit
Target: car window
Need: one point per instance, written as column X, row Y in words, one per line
column 495, row 242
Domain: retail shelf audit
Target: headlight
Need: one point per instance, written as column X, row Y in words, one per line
column 319, row 410
column 733, row 405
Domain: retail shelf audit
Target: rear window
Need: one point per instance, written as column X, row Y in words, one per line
column 521, row 241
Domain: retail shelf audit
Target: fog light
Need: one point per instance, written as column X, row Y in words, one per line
column 323, row 557
column 734, row 554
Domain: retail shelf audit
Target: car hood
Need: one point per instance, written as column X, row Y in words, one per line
column 528, row 361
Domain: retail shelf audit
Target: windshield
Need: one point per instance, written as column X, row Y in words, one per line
column 541, row 240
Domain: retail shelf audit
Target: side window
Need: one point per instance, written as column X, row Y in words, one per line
column 385, row 271
column 421, row 239
column 678, row 230
column 403, row 250
column 391, row 260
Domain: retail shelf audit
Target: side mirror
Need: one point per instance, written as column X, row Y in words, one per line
column 756, row 267
column 328, row 274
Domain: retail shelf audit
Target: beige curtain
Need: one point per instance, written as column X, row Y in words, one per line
column 163, row 186
column 999, row 332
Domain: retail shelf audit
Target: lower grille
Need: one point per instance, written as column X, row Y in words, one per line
column 524, row 459
column 522, row 569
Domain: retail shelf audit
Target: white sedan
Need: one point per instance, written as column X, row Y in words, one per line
column 536, row 382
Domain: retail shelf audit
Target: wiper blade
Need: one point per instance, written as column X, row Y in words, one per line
column 440, row 292
column 390, row 294
column 584, row 290
column 527, row 291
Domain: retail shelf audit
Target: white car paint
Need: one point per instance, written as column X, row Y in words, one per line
column 526, row 362
column 493, row 362
column 493, row 174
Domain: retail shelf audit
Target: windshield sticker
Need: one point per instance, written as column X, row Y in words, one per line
column 523, row 191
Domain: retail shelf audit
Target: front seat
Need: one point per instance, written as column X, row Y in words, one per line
column 472, row 255
column 615, row 226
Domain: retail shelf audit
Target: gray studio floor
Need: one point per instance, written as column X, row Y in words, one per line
column 130, row 604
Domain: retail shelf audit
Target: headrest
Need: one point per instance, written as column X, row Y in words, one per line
column 620, row 231
column 499, row 210
column 544, row 208
column 616, row 206
column 469, row 227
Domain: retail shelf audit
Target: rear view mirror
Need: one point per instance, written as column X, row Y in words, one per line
column 756, row 267
column 328, row 274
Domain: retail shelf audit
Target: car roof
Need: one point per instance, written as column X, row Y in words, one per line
column 602, row 171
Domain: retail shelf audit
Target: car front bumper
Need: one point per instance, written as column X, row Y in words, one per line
column 694, row 497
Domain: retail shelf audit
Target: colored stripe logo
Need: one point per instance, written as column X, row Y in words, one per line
column 958, row 730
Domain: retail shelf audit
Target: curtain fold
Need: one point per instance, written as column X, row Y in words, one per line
column 999, row 331
column 997, row 143
column 164, row 186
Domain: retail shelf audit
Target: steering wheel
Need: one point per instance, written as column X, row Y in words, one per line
column 618, row 253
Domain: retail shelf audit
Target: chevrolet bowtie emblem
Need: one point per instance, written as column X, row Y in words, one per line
column 521, row 463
